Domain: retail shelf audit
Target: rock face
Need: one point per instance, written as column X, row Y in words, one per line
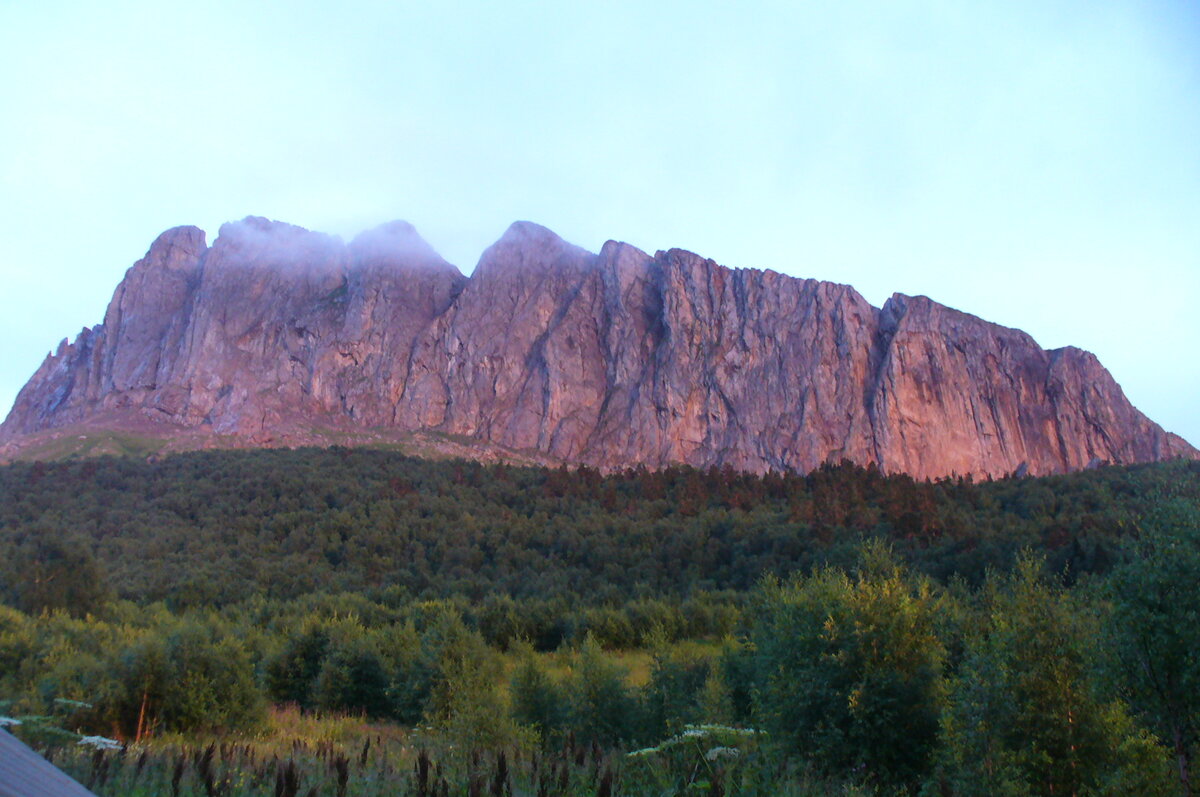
column 612, row 359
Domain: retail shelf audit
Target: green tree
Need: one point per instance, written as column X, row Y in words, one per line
column 53, row 571
column 500, row 621
column 850, row 669
column 537, row 700
column 1154, row 628
column 353, row 679
column 292, row 672
column 187, row 676
column 602, row 709
column 17, row 647
column 672, row 697
column 464, row 701
column 1026, row 715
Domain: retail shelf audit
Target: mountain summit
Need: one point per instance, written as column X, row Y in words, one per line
column 612, row 360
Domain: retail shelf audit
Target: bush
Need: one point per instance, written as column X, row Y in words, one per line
column 353, row 679
column 602, row 709
column 1025, row 715
column 292, row 672
column 537, row 701
column 190, row 678
column 850, row 670
column 672, row 697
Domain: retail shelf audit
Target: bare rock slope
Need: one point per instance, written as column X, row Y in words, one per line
column 612, row 360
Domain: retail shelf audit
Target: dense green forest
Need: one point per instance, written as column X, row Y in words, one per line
column 555, row 631
column 212, row 528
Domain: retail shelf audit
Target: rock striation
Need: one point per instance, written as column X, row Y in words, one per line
column 611, row 359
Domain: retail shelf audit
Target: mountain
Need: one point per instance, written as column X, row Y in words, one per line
column 276, row 335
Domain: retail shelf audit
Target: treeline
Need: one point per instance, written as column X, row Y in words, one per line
column 215, row 528
column 872, row 675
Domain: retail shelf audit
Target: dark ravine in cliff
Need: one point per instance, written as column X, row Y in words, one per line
column 610, row 359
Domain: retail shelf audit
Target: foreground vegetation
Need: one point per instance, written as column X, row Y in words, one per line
column 497, row 630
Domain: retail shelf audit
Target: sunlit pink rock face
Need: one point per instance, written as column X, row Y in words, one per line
column 612, row 359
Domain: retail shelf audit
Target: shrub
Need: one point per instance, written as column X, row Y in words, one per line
column 849, row 669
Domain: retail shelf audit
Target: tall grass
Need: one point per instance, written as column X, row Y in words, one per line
column 303, row 755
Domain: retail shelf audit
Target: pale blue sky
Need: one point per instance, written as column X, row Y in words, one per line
column 1034, row 163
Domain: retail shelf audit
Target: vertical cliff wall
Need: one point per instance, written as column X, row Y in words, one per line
column 611, row 359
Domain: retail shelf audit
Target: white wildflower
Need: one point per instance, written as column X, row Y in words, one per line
column 722, row 752
column 724, row 729
column 643, row 752
column 101, row 742
column 62, row 701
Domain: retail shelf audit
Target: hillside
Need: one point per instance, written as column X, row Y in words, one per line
column 212, row 528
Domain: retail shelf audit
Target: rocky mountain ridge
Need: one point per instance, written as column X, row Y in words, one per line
column 610, row 359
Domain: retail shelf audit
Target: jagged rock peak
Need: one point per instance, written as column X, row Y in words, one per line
column 528, row 231
column 525, row 242
column 617, row 250
column 921, row 311
column 528, row 251
column 255, row 230
column 248, row 225
column 175, row 245
column 263, row 243
column 396, row 244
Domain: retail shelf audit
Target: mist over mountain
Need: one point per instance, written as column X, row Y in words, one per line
column 276, row 335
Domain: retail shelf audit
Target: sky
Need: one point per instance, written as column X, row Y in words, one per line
column 1033, row 163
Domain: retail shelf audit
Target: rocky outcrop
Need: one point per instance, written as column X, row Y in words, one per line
column 611, row 359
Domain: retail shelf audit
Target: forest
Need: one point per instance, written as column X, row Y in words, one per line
column 358, row 622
